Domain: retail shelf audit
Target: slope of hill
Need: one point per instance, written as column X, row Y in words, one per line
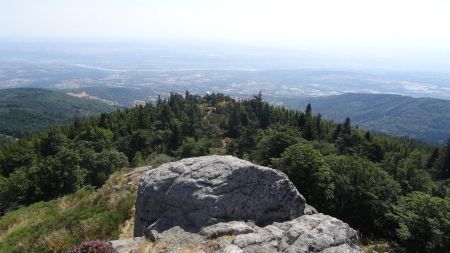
column 56, row 225
column 385, row 187
column 419, row 118
column 27, row 110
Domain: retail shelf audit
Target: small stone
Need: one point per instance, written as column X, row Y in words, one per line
column 149, row 235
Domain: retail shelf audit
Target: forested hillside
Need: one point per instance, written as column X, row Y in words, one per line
column 389, row 188
column 27, row 110
column 419, row 118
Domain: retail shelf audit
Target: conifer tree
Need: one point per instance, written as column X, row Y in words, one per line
column 319, row 126
column 445, row 170
column 337, row 133
column 433, row 158
column 308, row 133
column 308, row 111
column 346, row 127
column 368, row 136
column 301, row 122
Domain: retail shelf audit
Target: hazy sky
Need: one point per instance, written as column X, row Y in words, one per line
column 419, row 24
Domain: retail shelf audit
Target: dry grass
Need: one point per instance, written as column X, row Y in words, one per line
column 56, row 242
column 127, row 229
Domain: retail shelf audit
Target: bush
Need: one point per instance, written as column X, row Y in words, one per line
column 422, row 222
column 363, row 193
column 93, row 247
column 155, row 159
column 191, row 148
column 308, row 171
column 274, row 142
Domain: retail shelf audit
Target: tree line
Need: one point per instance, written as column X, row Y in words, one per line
column 386, row 187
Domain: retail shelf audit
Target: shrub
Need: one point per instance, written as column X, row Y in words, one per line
column 308, row 171
column 93, row 247
column 422, row 222
column 363, row 193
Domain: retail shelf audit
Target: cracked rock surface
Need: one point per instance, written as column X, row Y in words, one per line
column 308, row 233
column 197, row 192
column 230, row 205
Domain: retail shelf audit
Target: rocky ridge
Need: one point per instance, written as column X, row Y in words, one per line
column 225, row 204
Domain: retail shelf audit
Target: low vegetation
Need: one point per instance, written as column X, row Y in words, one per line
column 58, row 225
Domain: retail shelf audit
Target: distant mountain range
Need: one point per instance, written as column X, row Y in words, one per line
column 27, row 110
column 426, row 119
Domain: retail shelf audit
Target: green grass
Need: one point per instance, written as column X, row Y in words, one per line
column 57, row 225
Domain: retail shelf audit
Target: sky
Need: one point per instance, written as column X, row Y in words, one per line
column 397, row 25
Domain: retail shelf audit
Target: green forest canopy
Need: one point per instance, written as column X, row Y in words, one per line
column 368, row 180
column 27, row 110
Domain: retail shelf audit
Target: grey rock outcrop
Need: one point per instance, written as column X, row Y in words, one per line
column 308, row 233
column 197, row 192
column 227, row 205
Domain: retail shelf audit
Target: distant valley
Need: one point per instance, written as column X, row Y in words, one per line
column 426, row 119
column 27, row 110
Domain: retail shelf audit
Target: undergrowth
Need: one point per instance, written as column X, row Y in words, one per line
column 57, row 225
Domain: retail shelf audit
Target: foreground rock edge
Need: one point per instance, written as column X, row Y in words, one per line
column 199, row 178
column 307, row 233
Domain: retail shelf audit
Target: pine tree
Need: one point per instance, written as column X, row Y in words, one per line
column 337, row 133
column 308, row 111
column 346, row 128
column 301, row 122
column 319, row 126
column 445, row 170
column 433, row 158
column 234, row 122
column 368, row 136
column 309, row 133
column 265, row 117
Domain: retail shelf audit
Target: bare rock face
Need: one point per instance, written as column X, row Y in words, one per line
column 308, row 233
column 228, row 205
column 197, row 192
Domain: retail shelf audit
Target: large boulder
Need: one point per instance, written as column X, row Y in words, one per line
column 197, row 192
